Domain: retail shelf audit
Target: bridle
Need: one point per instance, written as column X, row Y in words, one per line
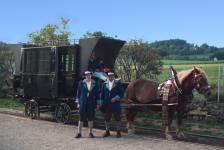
column 198, row 86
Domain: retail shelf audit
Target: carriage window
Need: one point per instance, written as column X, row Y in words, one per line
column 73, row 60
column 30, row 61
column 53, row 62
column 46, row 61
column 44, row 56
column 66, row 62
column 41, row 61
column 28, row 57
column 70, row 60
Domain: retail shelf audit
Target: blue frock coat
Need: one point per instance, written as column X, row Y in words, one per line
column 117, row 91
column 82, row 98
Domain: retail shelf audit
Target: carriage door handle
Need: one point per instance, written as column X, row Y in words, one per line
column 29, row 80
column 53, row 80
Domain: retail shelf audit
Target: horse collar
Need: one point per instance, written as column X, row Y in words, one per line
column 183, row 94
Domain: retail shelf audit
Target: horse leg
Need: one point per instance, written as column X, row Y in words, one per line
column 130, row 115
column 179, row 121
column 170, row 120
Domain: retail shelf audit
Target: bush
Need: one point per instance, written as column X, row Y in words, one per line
column 193, row 58
column 203, row 59
column 3, row 93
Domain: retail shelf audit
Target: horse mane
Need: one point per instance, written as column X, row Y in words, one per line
column 185, row 73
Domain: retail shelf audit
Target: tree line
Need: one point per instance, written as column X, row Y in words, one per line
column 182, row 48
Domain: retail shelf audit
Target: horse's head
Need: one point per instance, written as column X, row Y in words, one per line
column 201, row 84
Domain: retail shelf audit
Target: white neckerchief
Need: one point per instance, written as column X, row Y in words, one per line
column 88, row 86
column 110, row 85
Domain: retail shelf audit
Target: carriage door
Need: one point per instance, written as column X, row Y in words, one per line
column 69, row 71
column 45, row 74
column 29, row 75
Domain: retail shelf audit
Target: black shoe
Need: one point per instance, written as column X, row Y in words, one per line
column 78, row 135
column 91, row 135
column 106, row 134
column 118, row 134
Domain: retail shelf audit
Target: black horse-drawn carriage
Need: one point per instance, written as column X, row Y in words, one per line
column 49, row 75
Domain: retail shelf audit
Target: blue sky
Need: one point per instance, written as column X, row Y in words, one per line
column 196, row 21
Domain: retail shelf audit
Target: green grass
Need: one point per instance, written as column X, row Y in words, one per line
column 10, row 104
column 201, row 126
column 211, row 70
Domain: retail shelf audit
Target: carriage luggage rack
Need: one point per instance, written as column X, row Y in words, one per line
column 55, row 42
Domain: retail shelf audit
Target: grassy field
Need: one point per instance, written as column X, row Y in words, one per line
column 211, row 70
column 147, row 120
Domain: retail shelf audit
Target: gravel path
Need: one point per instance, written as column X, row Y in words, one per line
column 18, row 133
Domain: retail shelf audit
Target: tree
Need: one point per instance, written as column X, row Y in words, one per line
column 163, row 50
column 212, row 49
column 51, row 32
column 218, row 55
column 6, row 60
column 138, row 58
column 204, row 46
column 96, row 33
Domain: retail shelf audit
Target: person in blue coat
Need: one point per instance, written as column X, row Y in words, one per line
column 87, row 90
column 111, row 93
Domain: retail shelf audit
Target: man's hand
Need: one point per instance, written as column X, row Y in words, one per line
column 97, row 70
column 78, row 106
column 113, row 100
column 98, row 106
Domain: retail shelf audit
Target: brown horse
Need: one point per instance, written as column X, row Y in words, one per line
column 143, row 91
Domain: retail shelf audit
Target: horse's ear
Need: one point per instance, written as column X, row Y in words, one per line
column 173, row 69
column 196, row 71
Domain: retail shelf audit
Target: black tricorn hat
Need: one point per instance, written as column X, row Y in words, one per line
column 110, row 73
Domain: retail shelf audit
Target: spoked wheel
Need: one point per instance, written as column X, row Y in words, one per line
column 63, row 113
column 31, row 109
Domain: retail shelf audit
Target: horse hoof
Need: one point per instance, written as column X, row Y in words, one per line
column 131, row 131
column 181, row 136
column 169, row 137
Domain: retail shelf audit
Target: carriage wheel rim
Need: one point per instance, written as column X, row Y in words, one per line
column 62, row 114
column 31, row 110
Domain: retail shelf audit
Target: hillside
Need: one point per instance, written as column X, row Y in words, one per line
column 182, row 48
